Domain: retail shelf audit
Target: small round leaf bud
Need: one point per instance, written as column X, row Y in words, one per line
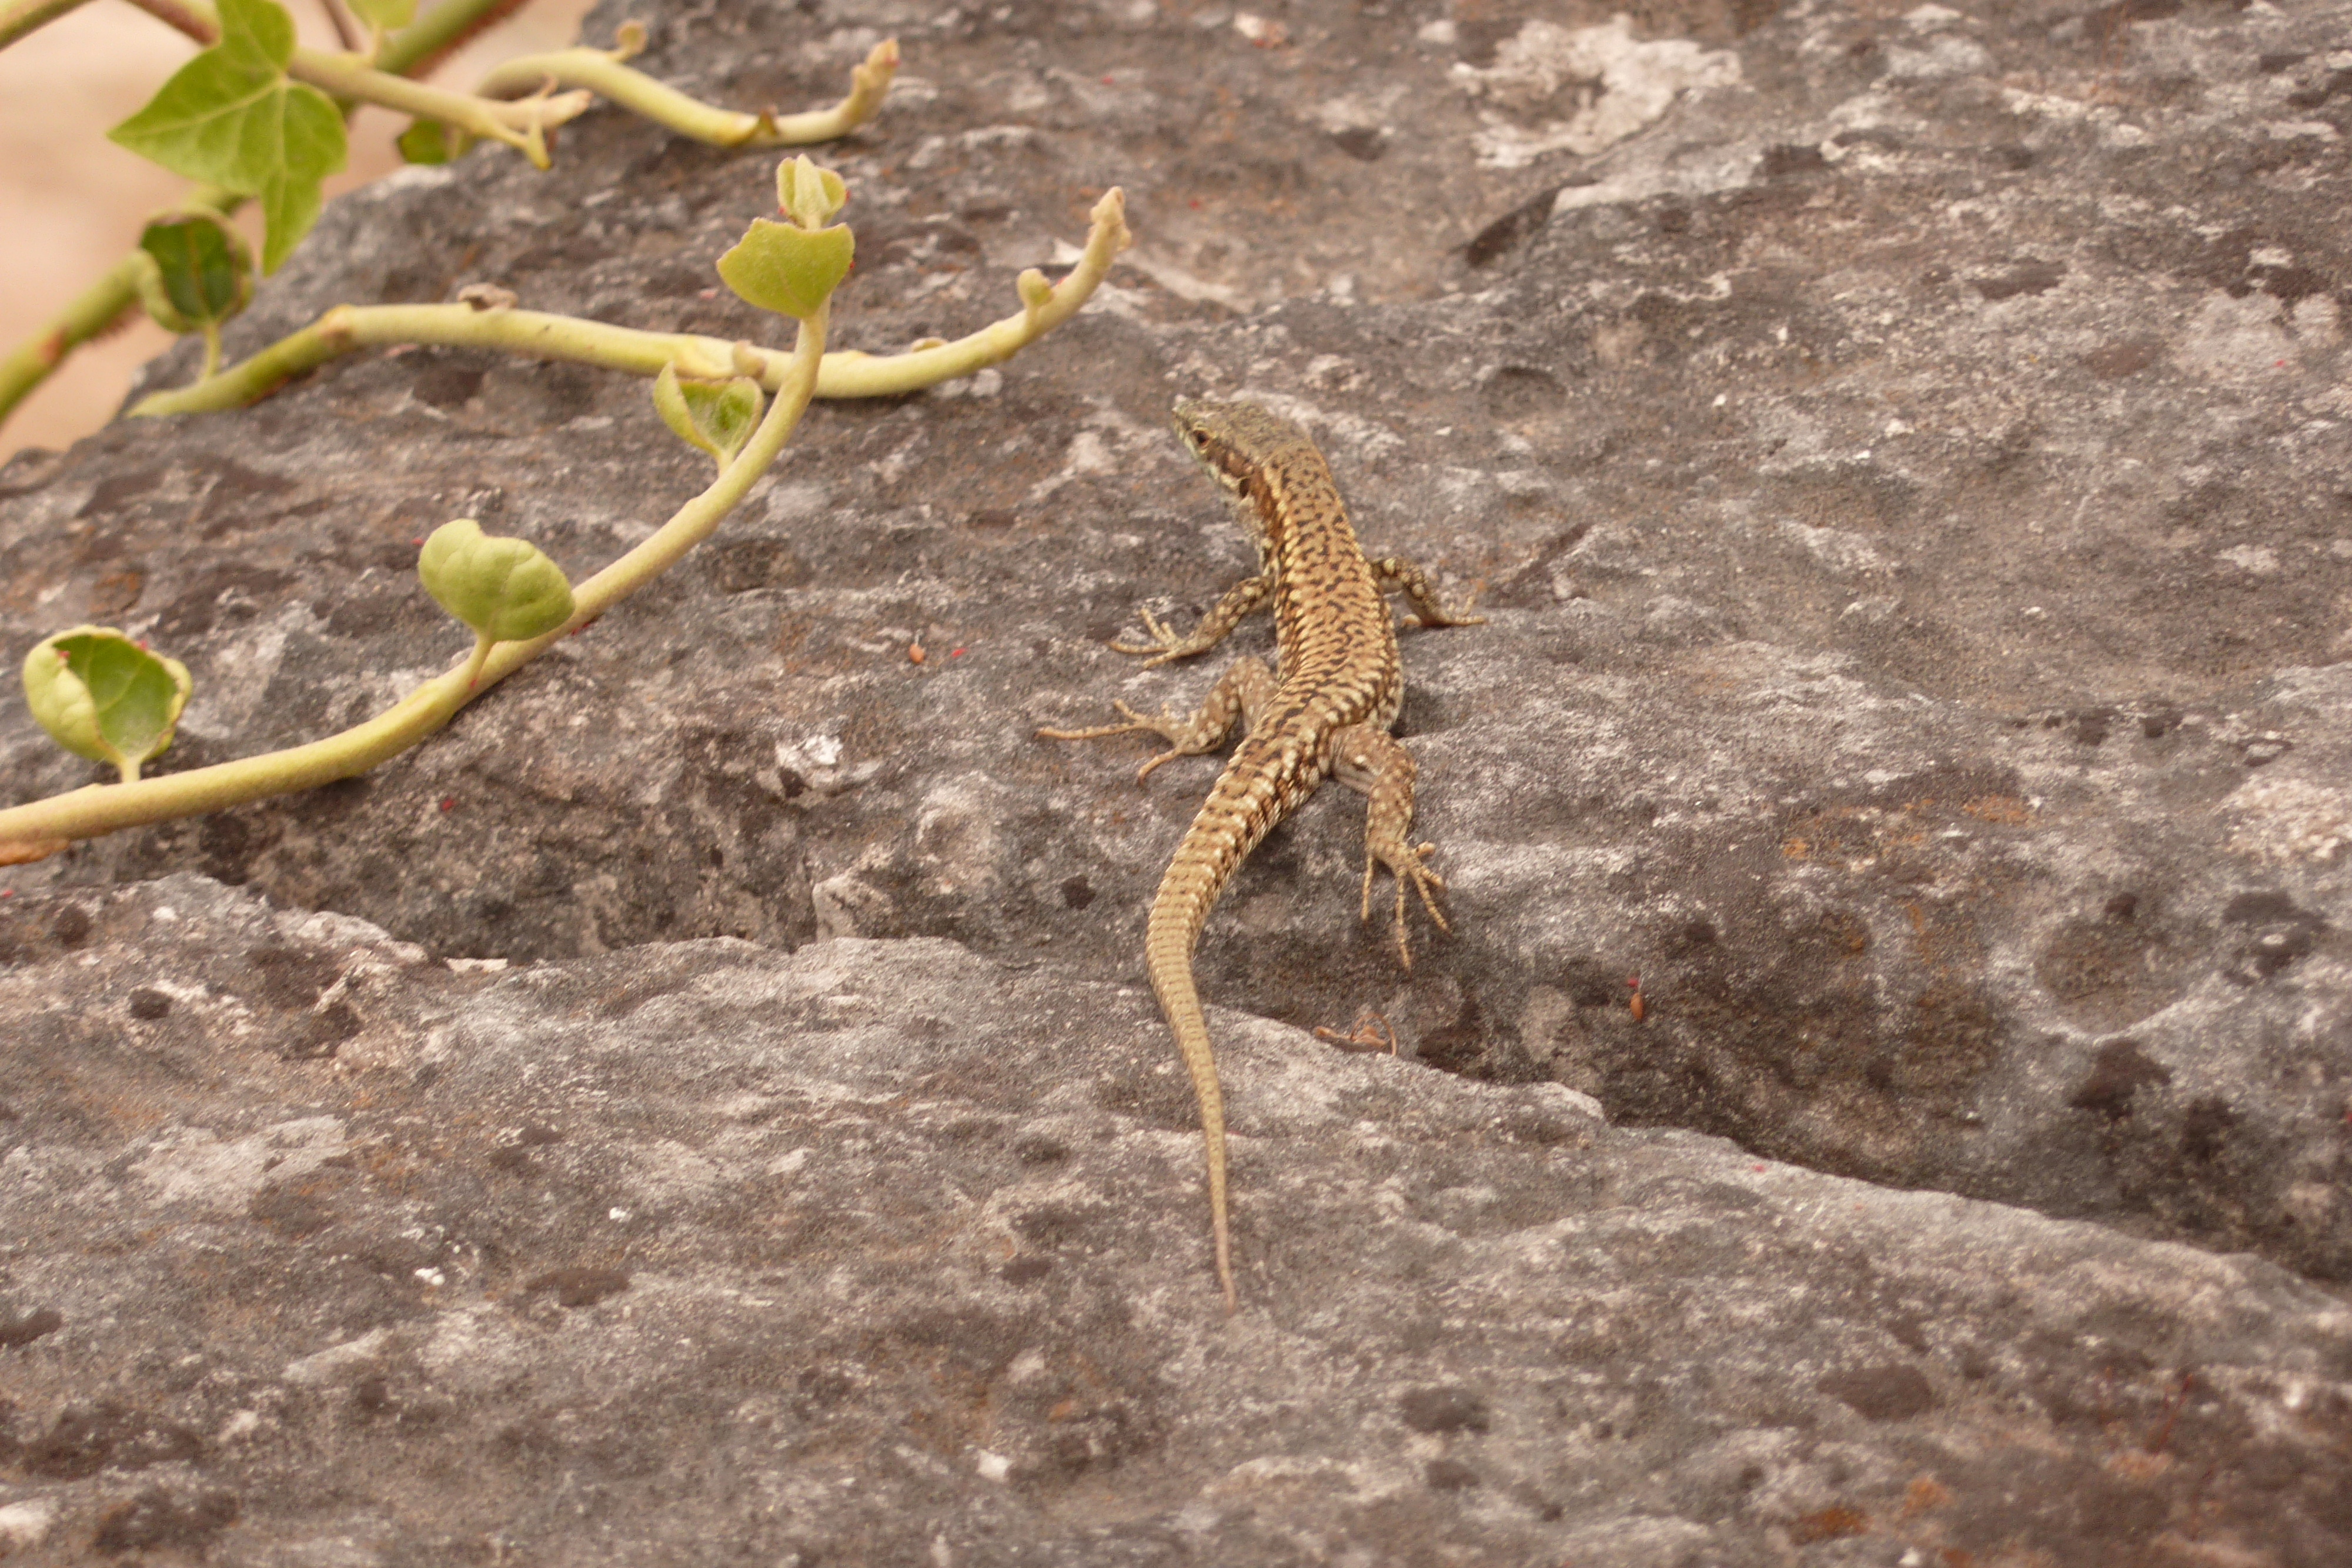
column 101, row 696
column 193, row 270
column 807, row 194
column 504, row 589
column 717, row 417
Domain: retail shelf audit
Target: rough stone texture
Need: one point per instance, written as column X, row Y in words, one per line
column 883, row 1251
column 1911, row 481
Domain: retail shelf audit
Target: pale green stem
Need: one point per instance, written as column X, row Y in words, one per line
column 1044, row 307
column 847, row 374
column 193, row 18
column 693, row 522
column 419, row 44
column 25, row 15
column 349, row 327
column 45, row 827
column 423, row 42
column 87, row 315
column 523, row 126
column 601, row 71
column 483, row 644
column 212, row 349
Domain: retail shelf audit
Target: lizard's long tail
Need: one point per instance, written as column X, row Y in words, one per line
column 1231, row 823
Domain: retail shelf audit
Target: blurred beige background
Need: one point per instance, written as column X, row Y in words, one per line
column 73, row 201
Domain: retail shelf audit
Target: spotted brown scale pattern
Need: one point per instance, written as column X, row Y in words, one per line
column 1340, row 686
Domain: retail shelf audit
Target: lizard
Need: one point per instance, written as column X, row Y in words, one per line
column 1340, row 686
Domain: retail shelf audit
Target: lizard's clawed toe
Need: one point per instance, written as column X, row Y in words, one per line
column 1407, row 867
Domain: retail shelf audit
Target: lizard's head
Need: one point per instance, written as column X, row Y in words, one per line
column 1234, row 441
column 1242, row 446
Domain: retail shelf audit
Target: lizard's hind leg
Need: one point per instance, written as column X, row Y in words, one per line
column 1370, row 760
column 1395, row 574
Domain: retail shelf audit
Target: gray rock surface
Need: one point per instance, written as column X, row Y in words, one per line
column 1907, row 462
column 884, row 1251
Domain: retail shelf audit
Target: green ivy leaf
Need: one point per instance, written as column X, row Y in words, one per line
column 427, row 141
column 101, row 696
column 385, row 14
column 504, row 589
column 789, row 270
column 197, row 272
column 717, row 417
column 232, row 116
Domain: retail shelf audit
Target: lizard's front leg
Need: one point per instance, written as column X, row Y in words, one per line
column 1369, row 759
column 1242, row 694
column 1213, row 628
